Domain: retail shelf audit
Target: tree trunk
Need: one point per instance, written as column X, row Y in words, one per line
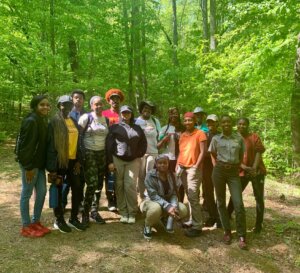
column 295, row 113
column 203, row 4
column 129, row 53
column 213, row 41
column 144, row 57
column 52, row 31
column 175, row 44
column 73, row 56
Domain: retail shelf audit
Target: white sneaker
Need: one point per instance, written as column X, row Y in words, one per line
column 124, row 219
column 131, row 220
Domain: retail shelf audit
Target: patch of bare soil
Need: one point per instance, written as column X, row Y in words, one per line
column 116, row 247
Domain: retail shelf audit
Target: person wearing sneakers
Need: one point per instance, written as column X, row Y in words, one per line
column 192, row 149
column 252, row 169
column 31, row 154
column 212, row 121
column 125, row 145
column 151, row 127
column 162, row 197
column 94, row 129
column 227, row 151
column 114, row 98
column 64, row 159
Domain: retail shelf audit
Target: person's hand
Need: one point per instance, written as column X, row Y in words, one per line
column 172, row 211
column 111, row 167
column 29, row 175
column 76, row 168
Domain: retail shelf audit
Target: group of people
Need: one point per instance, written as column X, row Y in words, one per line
column 161, row 165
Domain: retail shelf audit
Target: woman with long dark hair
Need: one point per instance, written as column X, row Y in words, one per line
column 64, row 160
column 31, row 155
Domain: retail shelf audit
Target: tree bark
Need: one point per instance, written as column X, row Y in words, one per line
column 213, row 40
column 203, row 4
column 144, row 57
column 175, row 44
column 295, row 113
column 73, row 56
column 129, row 51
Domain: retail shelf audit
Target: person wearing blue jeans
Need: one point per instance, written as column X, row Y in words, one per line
column 31, row 154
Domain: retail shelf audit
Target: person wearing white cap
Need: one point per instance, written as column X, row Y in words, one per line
column 125, row 145
column 200, row 117
column 207, row 186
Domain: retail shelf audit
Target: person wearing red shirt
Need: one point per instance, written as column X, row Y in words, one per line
column 252, row 169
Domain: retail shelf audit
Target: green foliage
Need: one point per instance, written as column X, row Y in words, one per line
column 250, row 74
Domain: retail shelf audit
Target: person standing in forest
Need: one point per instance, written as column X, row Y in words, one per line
column 64, row 160
column 227, row 151
column 208, row 187
column 94, row 129
column 252, row 169
column 125, row 145
column 30, row 152
column 151, row 128
column 200, row 119
column 77, row 111
column 192, row 149
column 114, row 97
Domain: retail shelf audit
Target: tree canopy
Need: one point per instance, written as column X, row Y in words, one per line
column 227, row 56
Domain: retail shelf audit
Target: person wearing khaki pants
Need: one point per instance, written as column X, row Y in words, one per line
column 125, row 144
column 192, row 149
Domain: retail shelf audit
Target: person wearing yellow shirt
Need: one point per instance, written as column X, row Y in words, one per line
column 64, row 160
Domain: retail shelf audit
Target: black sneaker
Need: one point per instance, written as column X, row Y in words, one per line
column 147, row 232
column 62, row 226
column 191, row 232
column 85, row 220
column 97, row 217
column 112, row 206
column 74, row 223
column 210, row 222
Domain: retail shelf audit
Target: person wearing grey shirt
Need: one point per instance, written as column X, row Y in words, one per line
column 227, row 150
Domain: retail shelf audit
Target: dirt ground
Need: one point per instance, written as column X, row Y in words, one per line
column 116, row 247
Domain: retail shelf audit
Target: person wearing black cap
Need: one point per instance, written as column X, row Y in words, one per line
column 64, row 160
column 125, row 144
column 151, row 128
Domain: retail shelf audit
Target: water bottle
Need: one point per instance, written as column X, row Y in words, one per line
column 169, row 226
column 110, row 182
column 53, row 196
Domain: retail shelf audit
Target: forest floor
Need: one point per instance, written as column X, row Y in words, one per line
column 116, row 247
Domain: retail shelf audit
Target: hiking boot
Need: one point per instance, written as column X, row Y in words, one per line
column 227, row 238
column 40, row 227
column 257, row 229
column 147, row 232
column 30, row 232
column 131, row 220
column 74, row 223
column 97, row 217
column 191, row 232
column 62, row 226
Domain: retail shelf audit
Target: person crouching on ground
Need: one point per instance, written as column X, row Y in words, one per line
column 125, row 144
column 31, row 155
column 64, row 160
column 162, row 193
column 192, row 149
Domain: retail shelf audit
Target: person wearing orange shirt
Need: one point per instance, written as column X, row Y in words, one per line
column 192, row 149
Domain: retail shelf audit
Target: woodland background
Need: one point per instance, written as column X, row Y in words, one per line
column 237, row 57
